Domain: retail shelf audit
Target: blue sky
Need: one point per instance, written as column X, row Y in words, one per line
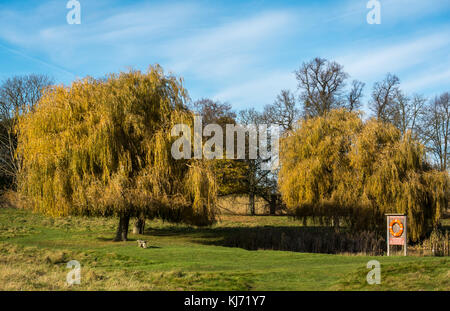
column 242, row 52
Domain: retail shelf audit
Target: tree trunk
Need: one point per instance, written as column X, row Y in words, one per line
column 251, row 187
column 273, row 204
column 252, row 203
column 122, row 229
column 139, row 226
column 444, row 169
column 336, row 223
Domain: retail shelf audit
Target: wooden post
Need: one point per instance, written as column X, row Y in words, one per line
column 387, row 234
column 406, row 235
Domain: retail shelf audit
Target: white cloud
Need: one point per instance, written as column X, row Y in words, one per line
column 393, row 57
column 224, row 50
column 396, row 10
column 111, row 29
column 354, row 12
column 428, row 79
column 236, row 54
column 258, row 92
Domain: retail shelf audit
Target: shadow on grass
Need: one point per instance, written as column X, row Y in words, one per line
column 287, row 238
column 111, row 239
column 148, row 247
column 103, row 239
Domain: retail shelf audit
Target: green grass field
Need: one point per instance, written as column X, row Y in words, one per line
column 34, row 251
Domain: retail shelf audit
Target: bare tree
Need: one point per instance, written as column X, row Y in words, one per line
column 436, row 129
column 406, row 112
column 214, row 111
column 355, row 95
column 390, row 104
column 263, row 183
column 18, row 95
column 322, row 84
column 256, row 181
column 384, row 95
column 282, row 112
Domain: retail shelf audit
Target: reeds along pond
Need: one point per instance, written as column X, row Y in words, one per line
column 309, row 240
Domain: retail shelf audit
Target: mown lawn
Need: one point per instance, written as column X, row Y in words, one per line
column 34, row 251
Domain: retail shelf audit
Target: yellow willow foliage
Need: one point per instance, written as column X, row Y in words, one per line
column 339, row 166
column 102, row 147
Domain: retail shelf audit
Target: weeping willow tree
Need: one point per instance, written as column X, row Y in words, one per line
column 338, row 167
column 103, row 148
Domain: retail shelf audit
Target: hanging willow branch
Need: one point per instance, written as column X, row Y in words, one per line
column 102, row 147
column 338, row 166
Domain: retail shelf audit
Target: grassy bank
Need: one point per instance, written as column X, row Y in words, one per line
column 34, row 251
